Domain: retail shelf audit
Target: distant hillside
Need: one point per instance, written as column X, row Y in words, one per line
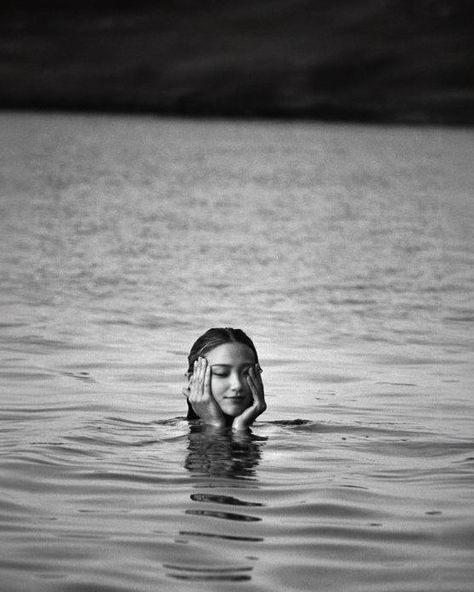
column 373, row 60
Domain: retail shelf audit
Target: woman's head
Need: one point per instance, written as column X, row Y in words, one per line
column 230, row 353
column 214, row 338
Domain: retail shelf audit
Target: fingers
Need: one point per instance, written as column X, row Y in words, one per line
column 255, row 383
column 200, row 382
column 258, row 376
column 251, row 379
column 207, row 380
column 195, row 384
column 193, row 381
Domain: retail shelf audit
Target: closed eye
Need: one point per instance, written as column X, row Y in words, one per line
column 223, row 371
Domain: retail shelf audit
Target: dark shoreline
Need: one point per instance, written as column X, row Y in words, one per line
column 350, row 119
column 391, row 61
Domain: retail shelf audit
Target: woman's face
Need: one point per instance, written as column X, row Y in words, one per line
column 230, row 363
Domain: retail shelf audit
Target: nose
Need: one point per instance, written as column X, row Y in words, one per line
column 236, row 382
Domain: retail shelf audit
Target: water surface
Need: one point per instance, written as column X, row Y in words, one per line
column 346, row 252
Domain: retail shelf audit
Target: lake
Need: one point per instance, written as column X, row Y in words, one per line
column 345, row 251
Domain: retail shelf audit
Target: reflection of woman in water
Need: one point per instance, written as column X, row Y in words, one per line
column 225, row 387
column 223, row 453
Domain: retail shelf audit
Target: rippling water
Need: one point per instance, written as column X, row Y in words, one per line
column 346, row 252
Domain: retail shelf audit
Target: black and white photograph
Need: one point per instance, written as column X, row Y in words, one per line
column 237, row 296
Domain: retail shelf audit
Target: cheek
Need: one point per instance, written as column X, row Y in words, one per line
column 216, row 386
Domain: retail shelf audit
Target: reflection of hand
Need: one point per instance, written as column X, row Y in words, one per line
column 247, row 417
column 200, row 395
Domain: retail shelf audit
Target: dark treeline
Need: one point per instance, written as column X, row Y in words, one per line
column 373, row 60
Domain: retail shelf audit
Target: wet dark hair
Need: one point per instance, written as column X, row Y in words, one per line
column 210, row 340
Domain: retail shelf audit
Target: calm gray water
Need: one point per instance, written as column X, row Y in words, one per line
column 346, row 252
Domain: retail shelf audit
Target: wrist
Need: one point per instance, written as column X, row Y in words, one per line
column 240, row 423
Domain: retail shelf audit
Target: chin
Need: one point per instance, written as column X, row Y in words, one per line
column 235, row 410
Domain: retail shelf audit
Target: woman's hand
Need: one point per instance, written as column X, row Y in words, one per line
column 247, row 417
column 200, row 395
